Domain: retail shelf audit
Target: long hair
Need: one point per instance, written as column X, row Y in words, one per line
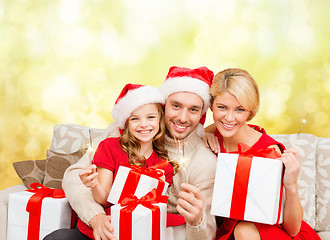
column 131, row 145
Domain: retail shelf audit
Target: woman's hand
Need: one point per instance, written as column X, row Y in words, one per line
column 291, row 161
column 88, row 176
column 211, row 141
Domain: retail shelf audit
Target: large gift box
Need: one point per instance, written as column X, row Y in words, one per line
column 144, row 218
column 138, row 181
column 248, row 186
column 32, row 215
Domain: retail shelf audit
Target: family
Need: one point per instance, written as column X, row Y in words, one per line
column 155, row 125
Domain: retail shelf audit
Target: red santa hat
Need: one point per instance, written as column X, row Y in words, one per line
column 196, row 81
column 131, row 98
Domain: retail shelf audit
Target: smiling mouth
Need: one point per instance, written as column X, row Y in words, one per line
column 228, row 126
column 180, row 127
column 144, row 131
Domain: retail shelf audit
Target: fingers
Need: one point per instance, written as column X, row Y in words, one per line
column 88, row 170
column 88, row 176
column 103, row 230
column 190, row 204
column 291, row 160
column 212, row 142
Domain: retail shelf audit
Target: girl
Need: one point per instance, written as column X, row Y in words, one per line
column 139, row 116
column 235, row 100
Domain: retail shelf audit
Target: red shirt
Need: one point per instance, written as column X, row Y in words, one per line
column 110, row 155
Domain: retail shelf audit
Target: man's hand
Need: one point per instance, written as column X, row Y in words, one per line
column 190, row 204
column 102, row 228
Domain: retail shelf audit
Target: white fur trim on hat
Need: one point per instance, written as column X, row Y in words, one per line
column 132, row 101
column 187, row 84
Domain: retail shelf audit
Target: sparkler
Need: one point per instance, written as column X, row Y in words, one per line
column 303, row 123
column 182, row 161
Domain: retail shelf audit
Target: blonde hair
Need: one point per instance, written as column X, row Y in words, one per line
column 240, row 84
column 131, row 145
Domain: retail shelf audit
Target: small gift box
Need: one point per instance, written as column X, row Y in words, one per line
column 32, row 215
column 137, row 181
column 143, row 218
column 248, row 186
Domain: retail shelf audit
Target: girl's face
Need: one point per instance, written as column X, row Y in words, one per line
column 228, row 114
column 144, row 123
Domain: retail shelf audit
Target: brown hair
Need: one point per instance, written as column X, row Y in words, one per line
column 240, row 84
column 131, row 144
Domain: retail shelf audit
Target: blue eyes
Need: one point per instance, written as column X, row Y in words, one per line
column 226, row 108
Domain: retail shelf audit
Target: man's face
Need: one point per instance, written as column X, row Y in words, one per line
column 183, row 111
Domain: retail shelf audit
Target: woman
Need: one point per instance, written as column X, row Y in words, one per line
column 235, row 100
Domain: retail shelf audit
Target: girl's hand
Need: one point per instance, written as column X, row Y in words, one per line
column 211, row 141
column 291, row 160
column 88, row 176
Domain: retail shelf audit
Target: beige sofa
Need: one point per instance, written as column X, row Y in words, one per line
column 70, row 141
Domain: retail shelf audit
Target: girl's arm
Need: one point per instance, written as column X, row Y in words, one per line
column 293, row 211
column 99, row 180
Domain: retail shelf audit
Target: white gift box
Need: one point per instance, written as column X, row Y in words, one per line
column 264, row 198
column 141, row 221
column 55, row 214
column 145, row 185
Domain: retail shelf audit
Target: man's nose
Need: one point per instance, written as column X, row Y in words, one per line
column 182, row 116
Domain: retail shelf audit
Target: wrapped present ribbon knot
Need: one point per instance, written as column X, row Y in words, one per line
column 34, row 204
column 242, row 175
column 130, row 202
column 135, row 175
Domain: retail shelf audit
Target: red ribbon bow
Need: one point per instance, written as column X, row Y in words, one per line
column 130, row 203
column 242, row 176
column 34, row 206
column 135, row 175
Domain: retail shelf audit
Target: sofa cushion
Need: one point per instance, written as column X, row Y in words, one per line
column 323, row 184
column 306, row 145
column 71, row 138
column 56, row 165
column 30, row 171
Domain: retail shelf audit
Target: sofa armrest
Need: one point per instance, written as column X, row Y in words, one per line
column 4, row 207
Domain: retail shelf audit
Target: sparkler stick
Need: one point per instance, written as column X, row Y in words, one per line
column 303, row 123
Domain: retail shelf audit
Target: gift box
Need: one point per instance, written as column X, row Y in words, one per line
column 249, row 187
column 137, row 181
column 144, row 218
column 55, row 213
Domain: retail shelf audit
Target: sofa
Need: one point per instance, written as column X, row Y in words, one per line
column 70, row 142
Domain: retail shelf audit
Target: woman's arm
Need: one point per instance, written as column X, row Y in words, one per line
column 293, row 211
column 210, row 140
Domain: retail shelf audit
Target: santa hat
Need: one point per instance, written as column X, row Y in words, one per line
column 196, row 80
column 131, row 98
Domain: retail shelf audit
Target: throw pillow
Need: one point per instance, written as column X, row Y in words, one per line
column 56, row 165
column 30, row 171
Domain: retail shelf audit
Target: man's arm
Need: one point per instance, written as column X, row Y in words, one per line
column 79, row 196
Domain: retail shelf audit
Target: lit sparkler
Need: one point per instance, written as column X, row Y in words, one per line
column 303, row 123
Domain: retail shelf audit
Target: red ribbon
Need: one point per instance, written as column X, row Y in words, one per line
column 34, row 206
column 134, row 176
column 130, row 203
column 242, row 176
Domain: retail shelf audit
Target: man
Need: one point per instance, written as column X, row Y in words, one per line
column 187, row 100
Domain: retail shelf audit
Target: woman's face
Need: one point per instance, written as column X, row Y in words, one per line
column 228, row 114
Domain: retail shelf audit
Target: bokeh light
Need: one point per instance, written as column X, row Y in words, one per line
column 65, row 61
